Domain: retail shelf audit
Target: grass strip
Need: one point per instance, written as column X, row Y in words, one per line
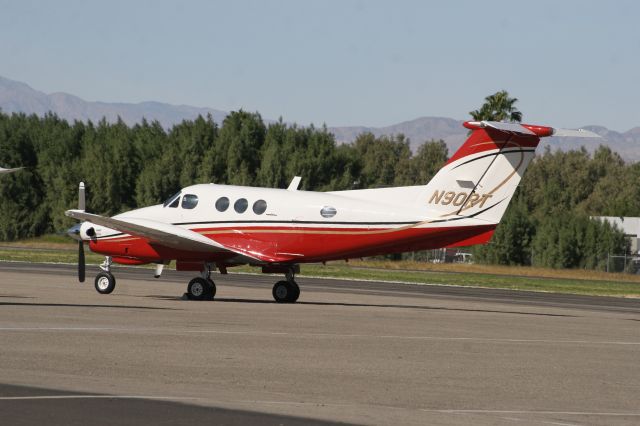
column 377, row 272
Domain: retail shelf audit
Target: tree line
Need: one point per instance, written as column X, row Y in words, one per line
column 125, row 167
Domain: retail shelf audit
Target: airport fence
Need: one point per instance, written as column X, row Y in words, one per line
column 626, row 263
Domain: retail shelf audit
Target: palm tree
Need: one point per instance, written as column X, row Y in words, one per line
column 498, row 107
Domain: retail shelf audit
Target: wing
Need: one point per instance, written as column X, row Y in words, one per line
column 163, row 233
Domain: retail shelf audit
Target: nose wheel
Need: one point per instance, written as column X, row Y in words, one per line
column 105, row 282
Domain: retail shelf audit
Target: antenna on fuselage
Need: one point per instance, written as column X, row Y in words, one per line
column 295, row 182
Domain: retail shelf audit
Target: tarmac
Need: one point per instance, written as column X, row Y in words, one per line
column 348, row 352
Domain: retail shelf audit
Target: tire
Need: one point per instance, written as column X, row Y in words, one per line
column 295, row 292
column 105, row 283
column 281, row 292
column 198, row 289
column 211, row 293
column 285, row 292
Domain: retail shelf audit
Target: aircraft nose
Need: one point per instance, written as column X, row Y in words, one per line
column 74, row 232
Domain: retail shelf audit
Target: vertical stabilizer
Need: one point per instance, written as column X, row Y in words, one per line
column 480, row 179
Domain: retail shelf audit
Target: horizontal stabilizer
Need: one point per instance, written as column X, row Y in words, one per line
column 575, row 133
column 508, row 127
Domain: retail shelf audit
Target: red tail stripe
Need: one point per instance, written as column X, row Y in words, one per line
column 488, row 139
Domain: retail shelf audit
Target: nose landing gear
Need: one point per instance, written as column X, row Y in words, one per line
column 105, row 282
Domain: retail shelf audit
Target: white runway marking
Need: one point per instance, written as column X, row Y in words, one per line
column 543, row 412
column 317, row 335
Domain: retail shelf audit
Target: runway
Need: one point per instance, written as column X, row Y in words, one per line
column 348, row 351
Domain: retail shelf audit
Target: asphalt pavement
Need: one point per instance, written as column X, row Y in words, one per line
column 349, row 351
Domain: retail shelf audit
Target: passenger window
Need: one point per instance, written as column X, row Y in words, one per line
column 328, row 211
column 259, row 206
column 189, row 201
column 241, row 205
column 222, row 204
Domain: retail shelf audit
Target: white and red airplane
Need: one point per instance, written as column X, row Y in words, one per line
column 5, row 171
column 207, row 227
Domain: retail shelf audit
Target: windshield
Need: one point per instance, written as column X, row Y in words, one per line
column 171, row 199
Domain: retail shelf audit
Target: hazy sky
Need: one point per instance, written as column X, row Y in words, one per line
column 570, row 63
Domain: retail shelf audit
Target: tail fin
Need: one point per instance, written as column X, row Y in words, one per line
column 480, row 179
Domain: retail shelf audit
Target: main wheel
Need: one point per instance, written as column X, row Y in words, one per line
column 105, row 282
column 211, row 293
column 199, row 289
column 285, row 292
column 295, row 293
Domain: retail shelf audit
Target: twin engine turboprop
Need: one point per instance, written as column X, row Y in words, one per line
column 212, row 227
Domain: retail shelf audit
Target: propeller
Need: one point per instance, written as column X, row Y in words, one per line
column 74, row 232
column 81, row 263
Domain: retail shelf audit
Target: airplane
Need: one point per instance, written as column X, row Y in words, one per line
column 4, row 171
column 208, row 227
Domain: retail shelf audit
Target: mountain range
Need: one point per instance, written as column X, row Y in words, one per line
column 17, row 96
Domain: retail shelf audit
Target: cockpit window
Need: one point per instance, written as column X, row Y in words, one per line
column 173, row 200
column 189, row 201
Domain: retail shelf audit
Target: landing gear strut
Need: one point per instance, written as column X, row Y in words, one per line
column 105, row 282
column 286, row 291
column 203, row 287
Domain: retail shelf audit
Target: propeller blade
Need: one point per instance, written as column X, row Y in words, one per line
column 81, row 264
column 81, row 203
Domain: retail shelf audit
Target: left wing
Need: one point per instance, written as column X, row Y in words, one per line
column 164, row 234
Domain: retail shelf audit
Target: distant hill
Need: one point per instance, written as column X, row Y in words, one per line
column 626, row 144
column 418, row 131
column 16, row 96
column 20, row 97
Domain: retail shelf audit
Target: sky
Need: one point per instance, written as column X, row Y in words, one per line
column 372, row 63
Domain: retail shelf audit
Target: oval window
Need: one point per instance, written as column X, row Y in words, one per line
column 222, row 204
column 241, row 205
column 189, row 201
column 259, row 206
column 328, row 211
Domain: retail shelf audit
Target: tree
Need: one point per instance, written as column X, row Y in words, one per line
column 380, row 158
column 510, row 244
column 498, row 107
column 421, row 167
column 235, row 158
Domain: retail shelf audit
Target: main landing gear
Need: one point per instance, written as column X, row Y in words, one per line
column 203, row 287
column 286, row 291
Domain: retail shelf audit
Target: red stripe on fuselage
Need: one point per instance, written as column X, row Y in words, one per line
column 298, row 244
